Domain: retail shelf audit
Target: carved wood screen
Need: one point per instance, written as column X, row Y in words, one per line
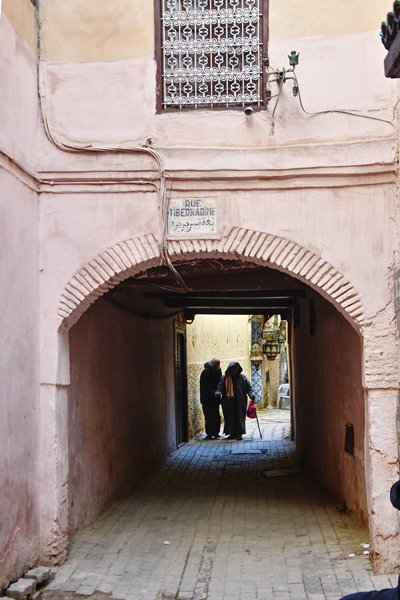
column 211, row 53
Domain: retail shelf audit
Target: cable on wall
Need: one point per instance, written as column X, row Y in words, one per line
column 340, row 111
column 136, row 148
column 281, row 76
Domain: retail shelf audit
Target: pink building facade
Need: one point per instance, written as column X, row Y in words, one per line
column 88, row 170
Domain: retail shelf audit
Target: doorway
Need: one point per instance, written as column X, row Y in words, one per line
column 181, row 401
column 260, row 344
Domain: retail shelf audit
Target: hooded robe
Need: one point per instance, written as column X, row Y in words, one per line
column 387, row 594
column 209, row 380
column 234, row 407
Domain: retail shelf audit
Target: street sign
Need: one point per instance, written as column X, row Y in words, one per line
column 192, row 217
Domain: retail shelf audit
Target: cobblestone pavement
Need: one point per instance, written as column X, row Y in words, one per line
column 223, row 520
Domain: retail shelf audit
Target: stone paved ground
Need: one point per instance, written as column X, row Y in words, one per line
column 223, row 520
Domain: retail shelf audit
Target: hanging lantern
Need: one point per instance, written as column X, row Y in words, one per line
column 271, row 348
column 272, row 337
column 256, row 355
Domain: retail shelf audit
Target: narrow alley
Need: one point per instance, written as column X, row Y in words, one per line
column 223, row 520
column 182, row 180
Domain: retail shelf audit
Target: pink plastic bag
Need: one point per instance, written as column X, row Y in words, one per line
column 252, row 410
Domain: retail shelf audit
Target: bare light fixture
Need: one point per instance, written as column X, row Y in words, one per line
column 280, row 76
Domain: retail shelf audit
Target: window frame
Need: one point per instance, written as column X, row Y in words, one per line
column 159, row 62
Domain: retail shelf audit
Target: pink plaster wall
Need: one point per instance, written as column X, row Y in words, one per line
column 19, row 349
column 116, row 108
column 19, row 113
column 19, row 378
column 349, row 227
column 121, row 405
column 329, row 394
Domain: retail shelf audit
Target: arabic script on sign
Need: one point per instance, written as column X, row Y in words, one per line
column 192, row 216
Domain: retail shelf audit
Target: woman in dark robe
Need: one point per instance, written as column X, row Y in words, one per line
column 209, row 380
column 233, row 389
column 387, row 594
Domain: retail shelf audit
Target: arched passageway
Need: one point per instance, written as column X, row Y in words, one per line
column 122, row 409
column 144, row 336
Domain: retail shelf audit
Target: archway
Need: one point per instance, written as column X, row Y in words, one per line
column 132, row 257
column 284, row 264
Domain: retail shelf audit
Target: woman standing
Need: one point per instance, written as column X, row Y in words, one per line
column 233, row 389
column 209, row 379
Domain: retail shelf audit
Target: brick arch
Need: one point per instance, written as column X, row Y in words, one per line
column 129, row 257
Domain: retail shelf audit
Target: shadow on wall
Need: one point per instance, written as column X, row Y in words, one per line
column 329, row 397
column 121, row 405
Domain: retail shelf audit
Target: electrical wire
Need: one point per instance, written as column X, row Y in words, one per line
column 144, row 149
column 275, row 107
column 339, row 111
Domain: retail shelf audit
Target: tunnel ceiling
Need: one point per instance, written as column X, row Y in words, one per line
column 212, row 287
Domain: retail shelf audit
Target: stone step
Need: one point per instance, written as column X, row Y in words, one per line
column 21, row 589
column 39, row 574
